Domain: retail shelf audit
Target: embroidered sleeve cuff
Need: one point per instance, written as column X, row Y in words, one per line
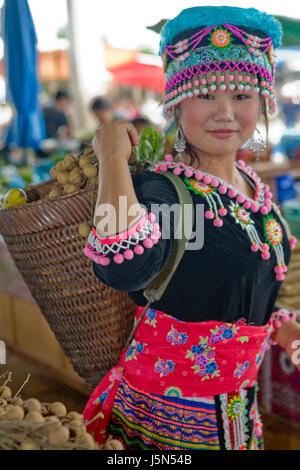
column 124, row 245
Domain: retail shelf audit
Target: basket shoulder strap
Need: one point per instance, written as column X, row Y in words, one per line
column 158, row 285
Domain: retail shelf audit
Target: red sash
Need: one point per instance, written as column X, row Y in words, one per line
column 186, row 359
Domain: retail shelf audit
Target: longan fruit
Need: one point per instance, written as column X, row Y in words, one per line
column 63, row 177
column 53, row 172
column 5, row 392
column 90, row 171
column 32, row 404
column 13, row 413
column 84, row 161
column 52, row 419
column 70, row 188
column 59, row 166
column 55, row 193
column 84, row 230
column 86, row 440
column 58, row 409
column 68, row 163
column 29, row 445
column 74, row 415
column 35, row 417
column 75, row 176
column 59, row 436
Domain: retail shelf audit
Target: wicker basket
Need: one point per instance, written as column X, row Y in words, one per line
column 90, row 320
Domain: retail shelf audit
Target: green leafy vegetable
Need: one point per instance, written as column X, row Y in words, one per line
column 150, row 149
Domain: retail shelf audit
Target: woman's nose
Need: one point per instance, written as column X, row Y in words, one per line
column 224, row 110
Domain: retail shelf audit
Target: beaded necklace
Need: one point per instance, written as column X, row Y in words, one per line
column 211, row 188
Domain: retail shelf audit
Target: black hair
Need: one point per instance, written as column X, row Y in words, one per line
column 140, row 120
column 61, row 94
column 99, row 103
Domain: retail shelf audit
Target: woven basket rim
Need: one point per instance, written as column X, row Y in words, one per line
column 39, row 202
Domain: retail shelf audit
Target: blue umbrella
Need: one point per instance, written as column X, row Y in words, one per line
column 28, row 127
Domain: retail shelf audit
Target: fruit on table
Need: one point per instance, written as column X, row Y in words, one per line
column 14, row 197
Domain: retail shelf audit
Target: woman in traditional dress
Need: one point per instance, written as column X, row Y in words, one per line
column 188, row 379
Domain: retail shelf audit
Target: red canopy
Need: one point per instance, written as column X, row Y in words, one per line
column 150, row 77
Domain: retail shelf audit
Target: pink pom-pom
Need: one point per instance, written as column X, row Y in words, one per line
column 278, row 269
column 198, row 175
column 247, row 204
column 218, row 222
column 292, row 316
column 157, row 233
column 118, row 258
column 277, row 324
column 151, row 217
column 264, row 210
column 254, row 207
column 293, row 242
column 177, row 171
column 240, row 198
column 254, row 247
column 265, row 255
column 188, row 173
column 163, row 167
column 209, row 215
column 269, row 195
column 222, row 189
column 104, row 260
column 156, row 227
column 138, row 249
column 153, row 237
column 207, row 179
column 265, row 247
column 284, row 268
column 223, row 211
column 241, row 163
column 215, row 183
column 280, row 277
column 128, row 254
column 266, row 188
column 148, row 243
column 232, row 193
column 285, row 317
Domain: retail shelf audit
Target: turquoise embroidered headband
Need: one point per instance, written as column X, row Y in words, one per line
column 237, row 42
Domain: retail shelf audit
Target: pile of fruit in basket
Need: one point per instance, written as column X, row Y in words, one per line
column 33, row 425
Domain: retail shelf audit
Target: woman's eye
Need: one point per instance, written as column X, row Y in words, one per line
column 242, row 96
column 206, row 97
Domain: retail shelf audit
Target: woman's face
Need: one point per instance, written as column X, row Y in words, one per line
column 201, row 116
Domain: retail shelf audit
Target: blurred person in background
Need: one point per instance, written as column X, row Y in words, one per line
column 57, row 116
column 141, row 122
column 102, row 110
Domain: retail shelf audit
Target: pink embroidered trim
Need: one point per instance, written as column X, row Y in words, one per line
column 146, row 235
column 122, row 235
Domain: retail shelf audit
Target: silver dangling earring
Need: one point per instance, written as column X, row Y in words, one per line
column 257, row 145
column 180, row 143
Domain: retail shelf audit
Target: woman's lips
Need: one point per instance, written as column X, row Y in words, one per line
column 222, row 134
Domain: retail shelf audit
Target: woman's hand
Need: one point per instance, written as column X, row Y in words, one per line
column 115, row 139
column 288, row 337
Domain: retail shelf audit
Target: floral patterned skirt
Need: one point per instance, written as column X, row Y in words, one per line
column 145, row 421
column 182, row 385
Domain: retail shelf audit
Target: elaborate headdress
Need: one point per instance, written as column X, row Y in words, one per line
column 209, row 39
